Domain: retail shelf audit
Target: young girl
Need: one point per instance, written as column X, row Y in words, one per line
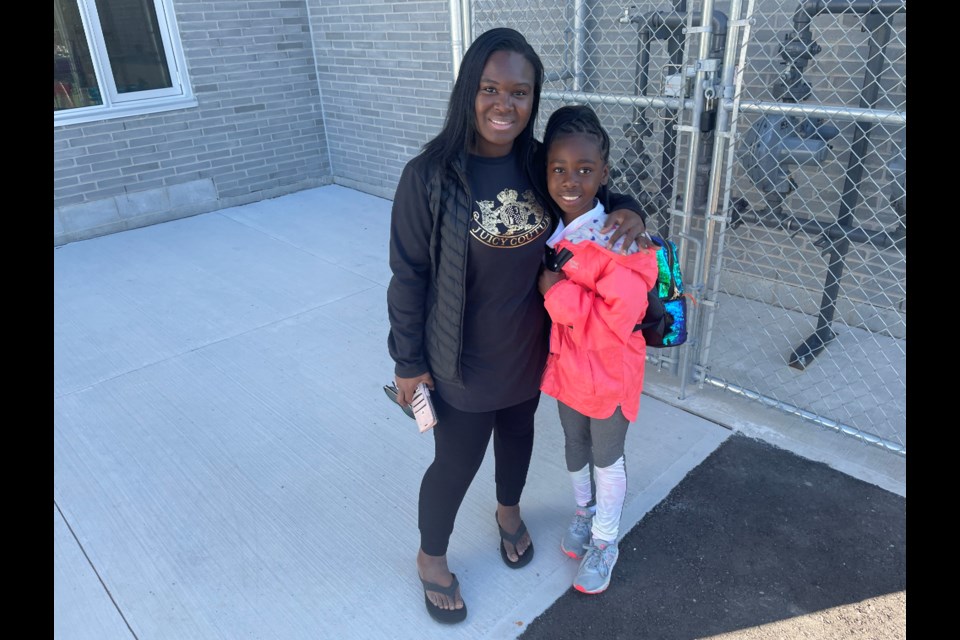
column 596, row 361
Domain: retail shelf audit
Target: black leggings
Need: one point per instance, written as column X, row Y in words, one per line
column 460, row 442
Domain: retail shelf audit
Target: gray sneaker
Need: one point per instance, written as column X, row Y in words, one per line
column 596, row 567
column 577, row 534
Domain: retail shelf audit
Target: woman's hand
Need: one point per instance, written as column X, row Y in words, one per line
column 407, row 386
column 548, row 279
column 629, row 226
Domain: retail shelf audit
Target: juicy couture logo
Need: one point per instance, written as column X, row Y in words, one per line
column 514, row 223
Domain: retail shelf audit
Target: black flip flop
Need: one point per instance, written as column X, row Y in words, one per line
column 446, row 616
column 514, row 538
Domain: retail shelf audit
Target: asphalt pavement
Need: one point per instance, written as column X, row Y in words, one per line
column 755, row 542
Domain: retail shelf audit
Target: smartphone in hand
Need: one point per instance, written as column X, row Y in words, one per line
column 423, row 411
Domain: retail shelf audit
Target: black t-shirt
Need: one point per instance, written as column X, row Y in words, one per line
column 505, row 324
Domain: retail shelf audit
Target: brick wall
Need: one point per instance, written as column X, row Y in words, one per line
column 385, row 74
column 256, row 133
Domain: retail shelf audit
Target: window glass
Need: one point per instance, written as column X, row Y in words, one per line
column 74, row 81
column 135, row 48
column 116, row 58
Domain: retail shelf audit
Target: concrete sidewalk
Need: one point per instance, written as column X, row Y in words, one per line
column 226, row 464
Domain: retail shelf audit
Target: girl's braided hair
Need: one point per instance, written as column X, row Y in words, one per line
column 577, row 119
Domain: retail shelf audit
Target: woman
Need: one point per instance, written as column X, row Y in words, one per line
column 469, row 224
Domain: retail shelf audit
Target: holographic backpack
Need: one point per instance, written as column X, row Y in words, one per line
column 665, row 322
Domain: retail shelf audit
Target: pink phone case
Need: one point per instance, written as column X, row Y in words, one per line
column 423, row 408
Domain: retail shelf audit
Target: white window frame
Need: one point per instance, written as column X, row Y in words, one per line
column 119, row 105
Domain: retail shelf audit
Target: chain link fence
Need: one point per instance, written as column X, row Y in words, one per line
column 767, row 138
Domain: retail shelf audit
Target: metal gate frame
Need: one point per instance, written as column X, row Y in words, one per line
column 718, row 209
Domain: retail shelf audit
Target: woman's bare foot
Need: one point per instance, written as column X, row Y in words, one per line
column 434, row 569
column 509, row 519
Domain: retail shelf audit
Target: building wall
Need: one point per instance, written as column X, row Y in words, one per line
column 257, row 132
column 385, row 73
